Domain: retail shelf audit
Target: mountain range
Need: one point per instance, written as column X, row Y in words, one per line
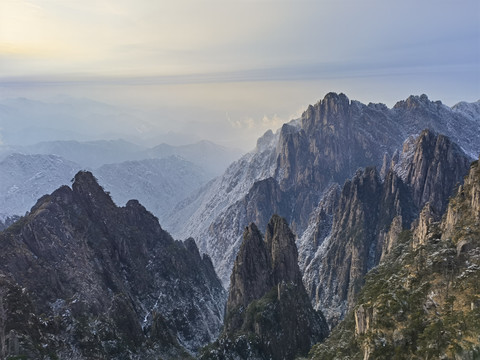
column 213, row 158
column 370, row 249
column 292, row 171
column 160, row 177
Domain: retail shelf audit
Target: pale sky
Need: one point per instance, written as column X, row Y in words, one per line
column 231, row 69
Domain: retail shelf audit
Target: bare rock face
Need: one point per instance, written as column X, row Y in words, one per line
column 281, row 242
column 264, row 199
column 363, row 319
column 466, row 208
column 388, row 239
column 437, row 166
column 371, row 214
column 422, row 226
column 269, row 314
column 101, row 281
column 252, row 273
column 355, row 244
column 426, row 286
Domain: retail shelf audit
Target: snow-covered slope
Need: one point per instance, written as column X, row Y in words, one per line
column 25, row 178
column 89, row 154
column 193, row 216
column 158, row 184
column 211, row 157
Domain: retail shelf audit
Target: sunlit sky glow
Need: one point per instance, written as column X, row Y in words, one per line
column 248, row 65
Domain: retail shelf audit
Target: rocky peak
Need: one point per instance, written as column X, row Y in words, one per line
column 331, row 140
column 436, row 167
column 269, row 314
column 471, row 110
column 281, row 242
column 86, row 188
column 265, row 141
column 263, row 263
column 332, row 110
column 251, row 276
column 97, row 272
column 414, row 102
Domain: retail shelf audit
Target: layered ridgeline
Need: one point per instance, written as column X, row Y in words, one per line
column 158, row 177
column 159, row 184
column 268, row 313
column 25, row 178
column 353, row 228
column 423, row 300
column 82, row 278
column 290, row 172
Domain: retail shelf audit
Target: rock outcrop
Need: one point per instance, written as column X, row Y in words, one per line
column 436, row 167
column 422, row 300
column 372, row 213
column 366, row 209
column 99, row 281
column 466, row 206
column 252, row 273
column 7, row 221
column 268, row 315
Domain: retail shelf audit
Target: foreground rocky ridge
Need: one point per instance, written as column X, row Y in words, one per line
column 268, row 314
column 82, row 278
column 423, row 300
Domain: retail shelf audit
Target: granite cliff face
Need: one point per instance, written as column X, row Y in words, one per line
column 366, row 208
column 434, row 165
column 370, row 215
column 299, row 163
column 268, row 314
column 422, row 301
column 99, row 281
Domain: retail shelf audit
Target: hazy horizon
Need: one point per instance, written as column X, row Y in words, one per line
column 228, row 71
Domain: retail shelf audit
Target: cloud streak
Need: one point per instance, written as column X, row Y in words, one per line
column 196, row 37
column 194, row 61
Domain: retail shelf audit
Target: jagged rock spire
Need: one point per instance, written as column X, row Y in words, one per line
column 267, row 299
